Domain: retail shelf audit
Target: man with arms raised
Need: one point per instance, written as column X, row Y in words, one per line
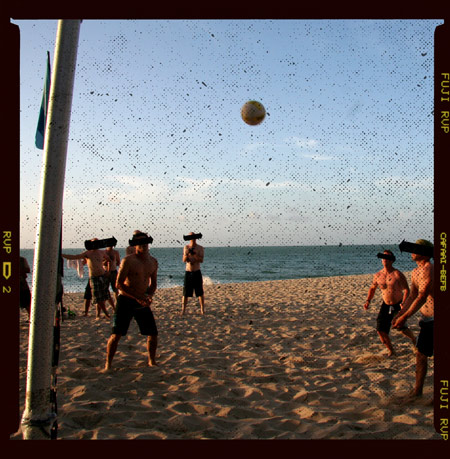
column 394, row 290
column 136, row 282
column 421, row 298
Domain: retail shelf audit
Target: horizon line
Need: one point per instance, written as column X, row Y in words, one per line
column 240, row 246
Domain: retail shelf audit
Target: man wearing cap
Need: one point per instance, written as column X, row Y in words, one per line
column 394, row 290
column 137, row 283
column 421, row 298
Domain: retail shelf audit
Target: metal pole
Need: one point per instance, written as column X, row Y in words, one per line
column 37, row 419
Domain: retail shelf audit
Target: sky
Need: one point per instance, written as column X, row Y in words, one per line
column 157, row 143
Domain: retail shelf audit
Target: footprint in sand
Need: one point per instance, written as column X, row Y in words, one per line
column 408, row 398
column 370, row 358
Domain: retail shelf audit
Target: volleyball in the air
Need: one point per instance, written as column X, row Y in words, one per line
column 253, row 112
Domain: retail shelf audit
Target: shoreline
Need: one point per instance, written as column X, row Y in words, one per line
column 287, row 359
column 218, row 284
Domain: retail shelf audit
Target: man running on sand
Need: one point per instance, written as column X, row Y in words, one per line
column 421, row 298
column 96, row 261
column 394, row 290
column 137, row 282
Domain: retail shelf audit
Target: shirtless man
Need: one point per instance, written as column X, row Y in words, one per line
column 394, row 290
column 421, row 298
column 96, row 261
column 137, row 282
column 193, row 255
column 114, row 263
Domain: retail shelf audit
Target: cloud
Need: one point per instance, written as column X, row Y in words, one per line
column 130, row 180
column 258, row 184
column 397, row 182
column 119, row 190
column 253, row 146
column 318, row 157
column 197, row 184
column 308, row 144
column 209, row 184
column 123, row 188
column 302, row 142
column 134, row 189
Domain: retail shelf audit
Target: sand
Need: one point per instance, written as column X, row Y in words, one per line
column 293, row 359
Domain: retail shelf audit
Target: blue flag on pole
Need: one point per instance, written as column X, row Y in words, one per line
column 40, row 131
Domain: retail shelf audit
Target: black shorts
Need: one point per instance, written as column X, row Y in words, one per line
column 385, row 316
column 25, row 298
column 193, row 280
column 425, row 339
column 88, row 292
column 112, row 280
column 126, row 309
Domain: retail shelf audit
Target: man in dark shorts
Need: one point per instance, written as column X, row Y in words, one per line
column 193, row 255
column 113, row 264
column 137, row 283
column 87, row 298
column 394, row 290
column 421, row 298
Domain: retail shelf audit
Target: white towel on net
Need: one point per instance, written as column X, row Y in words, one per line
column 78, row 265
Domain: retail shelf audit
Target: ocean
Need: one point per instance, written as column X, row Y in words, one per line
column 249, row 264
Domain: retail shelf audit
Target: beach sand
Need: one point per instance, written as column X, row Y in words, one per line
column 292, row 359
